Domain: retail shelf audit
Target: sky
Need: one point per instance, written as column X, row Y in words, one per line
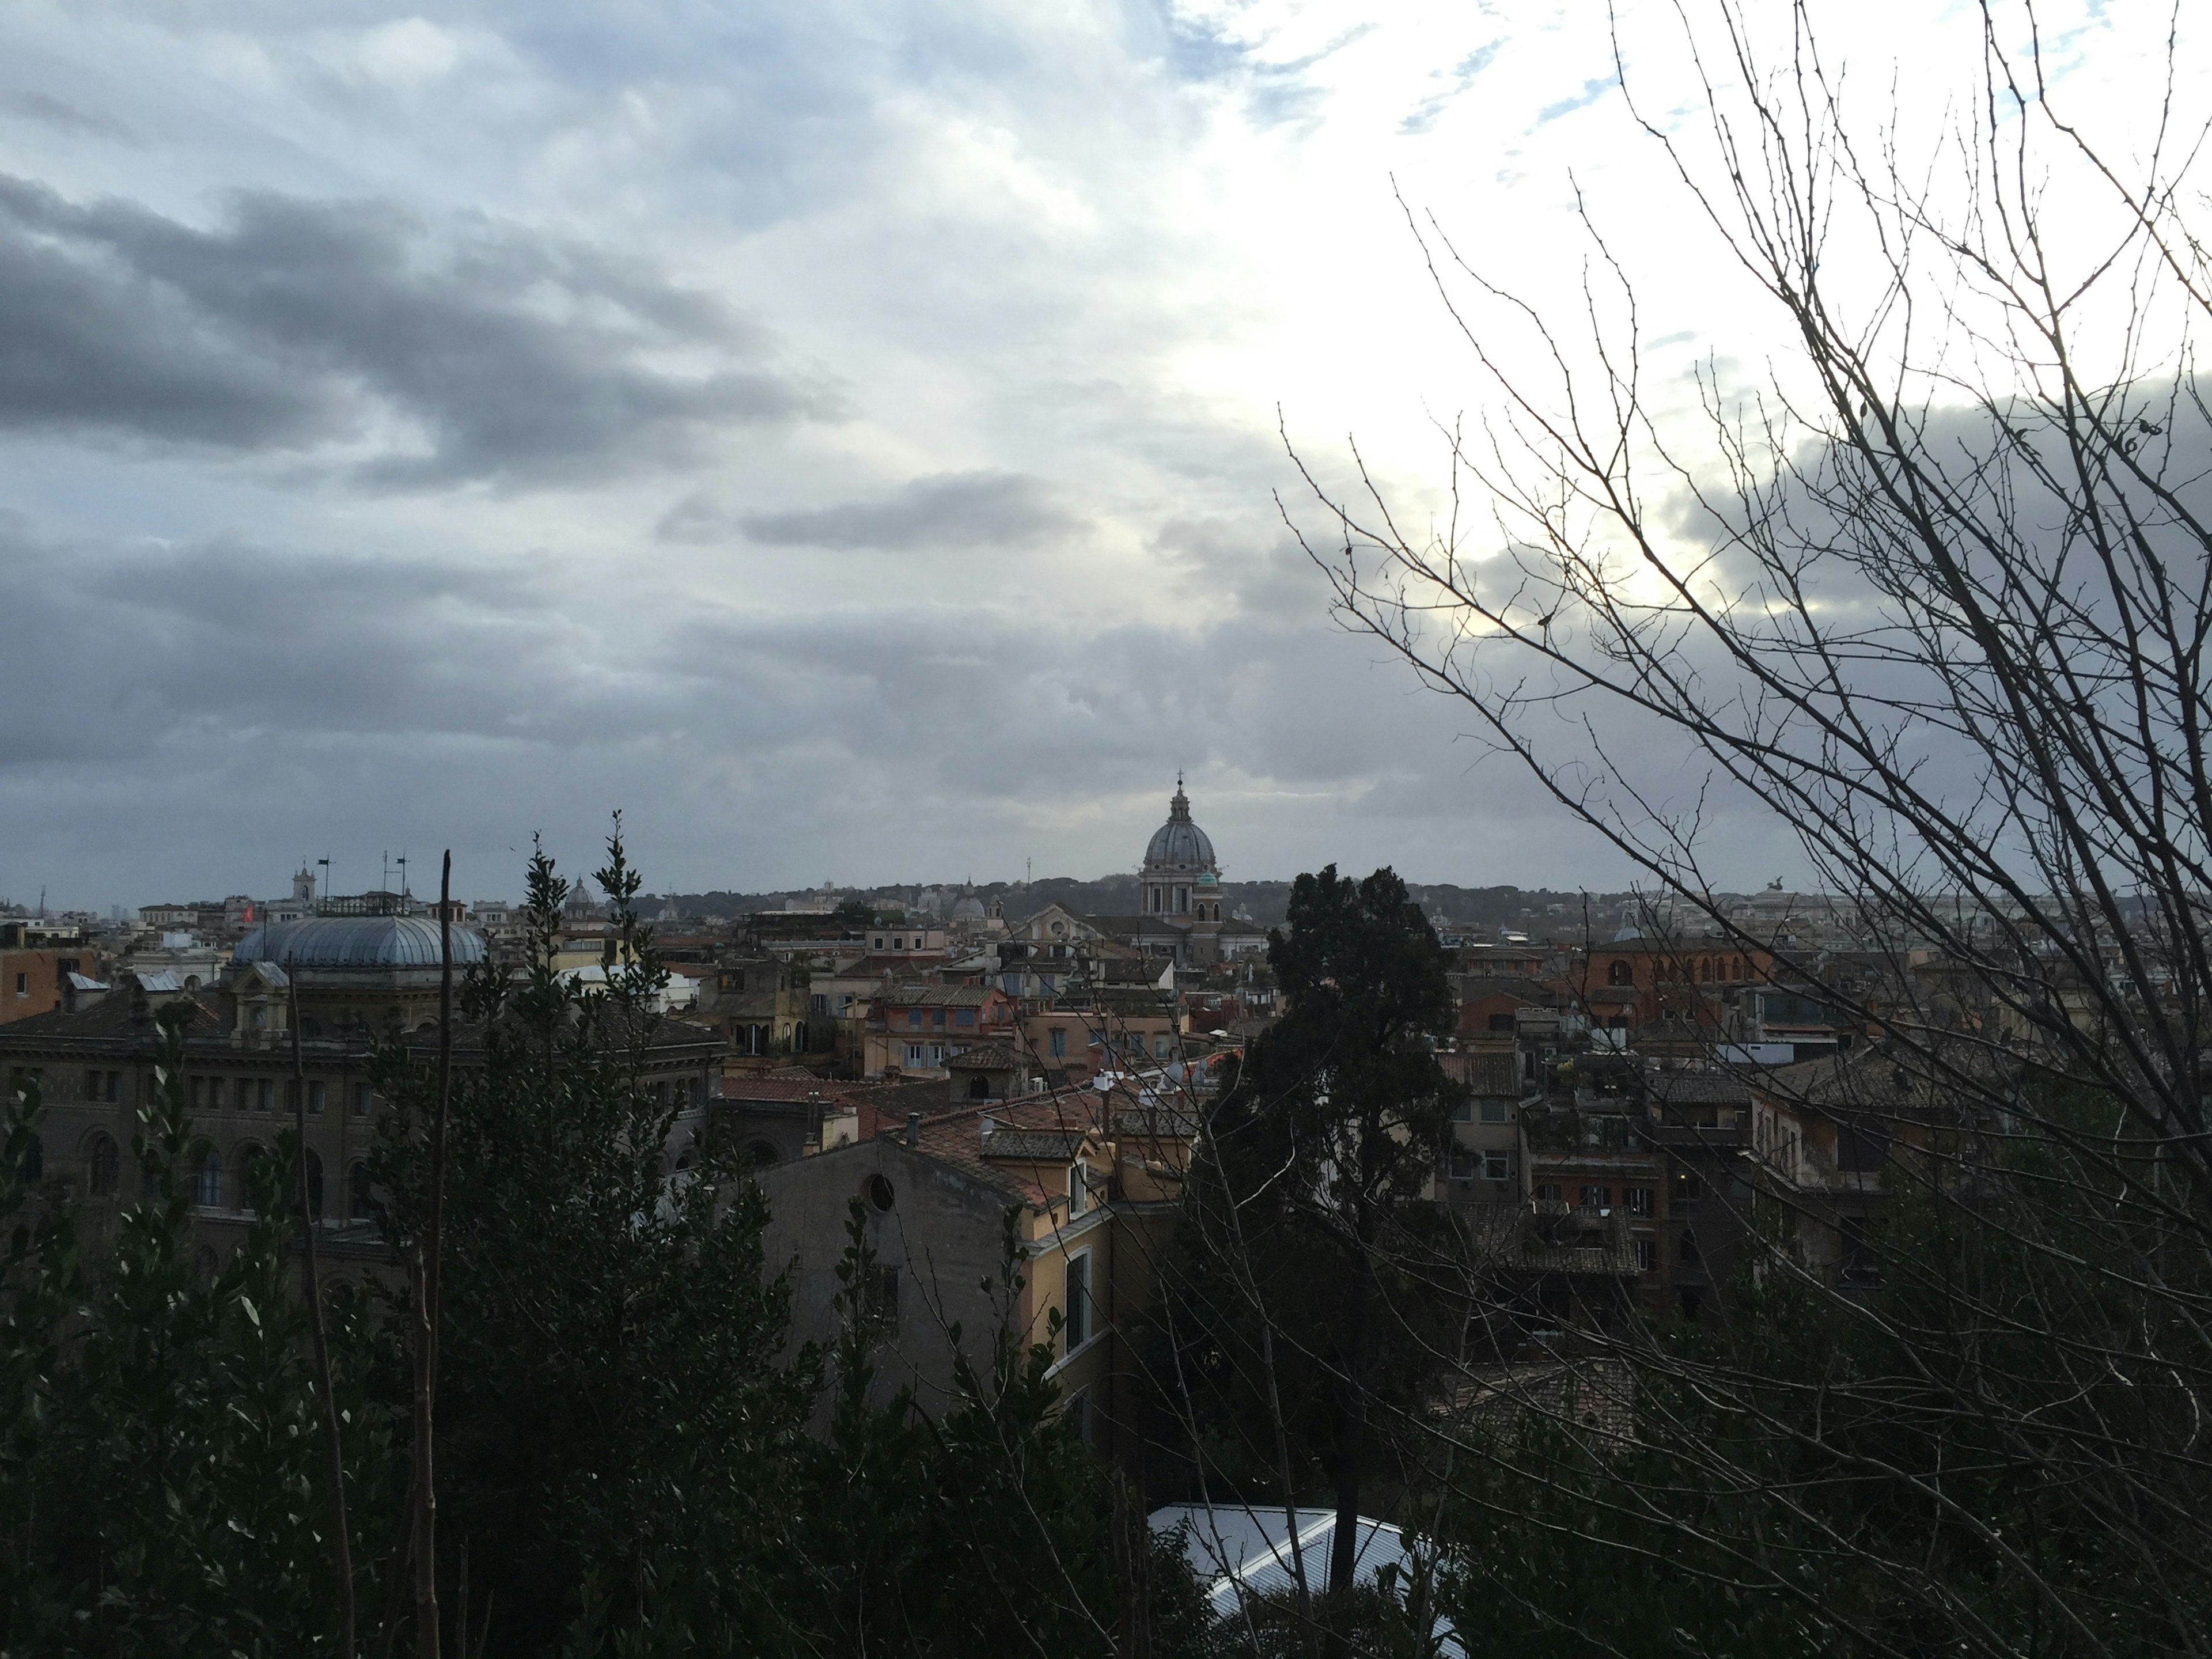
column 850, row 440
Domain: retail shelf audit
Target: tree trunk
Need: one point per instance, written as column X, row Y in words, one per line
column 1351, row 1453
column 311, row 1288
column 426, row 1250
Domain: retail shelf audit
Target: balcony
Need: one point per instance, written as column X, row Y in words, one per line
column 1725, row 1137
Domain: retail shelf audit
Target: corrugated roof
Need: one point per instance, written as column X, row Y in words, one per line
column 987, row 1057
column 1033, row 1146
column 938, row 996
column 111, row 1016
column 1699, row 1088
column 956, row 1139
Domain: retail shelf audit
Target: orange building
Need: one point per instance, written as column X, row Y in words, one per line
column 1652, row 981
column 35, row 979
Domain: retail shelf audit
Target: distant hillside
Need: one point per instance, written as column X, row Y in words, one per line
column 1537, row 910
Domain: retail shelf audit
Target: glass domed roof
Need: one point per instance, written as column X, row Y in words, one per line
column 1179, row 844
column 356, row 942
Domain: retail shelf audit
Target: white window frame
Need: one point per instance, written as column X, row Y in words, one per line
column 1070, row 1339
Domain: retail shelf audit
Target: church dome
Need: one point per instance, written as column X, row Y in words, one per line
column 968, row 908
column 356, row 942
column 1179, row 844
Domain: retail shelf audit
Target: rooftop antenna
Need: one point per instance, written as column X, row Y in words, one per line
column 325, row 865
column 42, row 901
column 384, row 883
column 402, row 862
column 1029, row 869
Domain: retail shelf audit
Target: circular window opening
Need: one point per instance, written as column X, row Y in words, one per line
column 879, row 1192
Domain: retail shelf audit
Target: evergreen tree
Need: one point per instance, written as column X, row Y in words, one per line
column 1290, row 1312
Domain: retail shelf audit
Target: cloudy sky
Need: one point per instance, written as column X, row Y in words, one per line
column 844, row 436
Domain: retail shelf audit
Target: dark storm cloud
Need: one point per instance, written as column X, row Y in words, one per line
column 54, row 112
column 210, row 645
column 954, row 510
column 519, row 359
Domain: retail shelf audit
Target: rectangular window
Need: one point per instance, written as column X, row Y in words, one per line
column 1501, row 1022
column 914, row 1017
column 1688, row 1189
column 1647, row 1255
column 1462, row 1164
column 1495, row 1167
column 915, row 1053
column 880, row 1300
column 266, row 1093
column 1547, row 1192
column 92, row 1088
column 1079, row 1190
column 1163, row 1045
column 23, row 985
column 937, row 1016
column 114, row 1086
column 964, row 1017
column 1497, row 1111
column 1058, row 1042
column 1076, row 1300
column 361, row 1099
column 317, row 1095
column 1595, row 1198
column 1637, row 1200
column 819, row 1003
column 197, row 1091
column 1463, row 1111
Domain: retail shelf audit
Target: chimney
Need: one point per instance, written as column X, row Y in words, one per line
column 914, row 1128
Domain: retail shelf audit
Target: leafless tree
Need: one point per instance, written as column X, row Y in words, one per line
column 1936, row 596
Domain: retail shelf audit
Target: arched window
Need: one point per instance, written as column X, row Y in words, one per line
column 35, row 1160
column 363, row 1191
column 243, row 1161
column 102, row 1167
column 763, row 1154
column 1620, row 974
column 315, row 1185
column 207, row 1180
